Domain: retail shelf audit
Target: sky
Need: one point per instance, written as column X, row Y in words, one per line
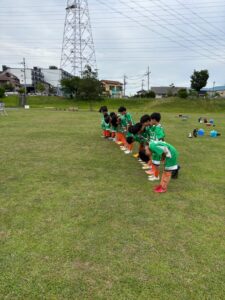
column 171, row 37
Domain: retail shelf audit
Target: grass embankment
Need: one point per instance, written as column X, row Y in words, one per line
column 79, row 220
column 167, row 105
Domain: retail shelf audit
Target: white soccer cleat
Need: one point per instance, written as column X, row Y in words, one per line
column 146, row 167
column 153, row 178
column 127, row 152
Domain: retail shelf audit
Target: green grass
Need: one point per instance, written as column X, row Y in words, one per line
column 167, row 105
column 79, row 220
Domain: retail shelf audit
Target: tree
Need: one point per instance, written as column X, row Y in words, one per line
column 150, row 94
column 70, row 86
column 53, row 68
column 182, row 93
column 90, row 87
column 199, row 79
column 40, row 87
column 2, row 92
column 9, row 87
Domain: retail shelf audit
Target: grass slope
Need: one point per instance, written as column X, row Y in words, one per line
column 166, row 105
column 79, row 219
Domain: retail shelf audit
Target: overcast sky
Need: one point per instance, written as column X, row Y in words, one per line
column 172, row 37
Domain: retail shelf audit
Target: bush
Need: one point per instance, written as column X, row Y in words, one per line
column 182, row 93
column 2, row 92
column 150, row 94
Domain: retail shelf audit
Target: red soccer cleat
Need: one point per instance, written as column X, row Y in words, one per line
column 160, row 190
column 157, row 187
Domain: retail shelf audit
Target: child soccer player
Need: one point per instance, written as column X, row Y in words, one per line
column 170, row 154
column 104, row 125
column 126, row 117
column 126, row 122
column 157, row 131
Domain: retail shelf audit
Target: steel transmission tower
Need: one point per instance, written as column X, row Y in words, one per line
column 78, row 46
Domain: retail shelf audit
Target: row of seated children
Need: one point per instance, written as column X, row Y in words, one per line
column 149, row 133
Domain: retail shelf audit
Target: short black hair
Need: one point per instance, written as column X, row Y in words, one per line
column 156, row 116
column 143, row 156
column 107, row 119
column 114, row 120
column 112, row 114
column 135, row 128
column 122, row 109
column 145, row 118
column 103, row 109
column 130, row 140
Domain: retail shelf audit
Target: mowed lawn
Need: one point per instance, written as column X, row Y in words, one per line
column 79, row 219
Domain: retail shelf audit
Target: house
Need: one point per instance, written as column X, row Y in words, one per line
column 216, row 90
column 8, row 78
column 165, row 91
column 112, row 89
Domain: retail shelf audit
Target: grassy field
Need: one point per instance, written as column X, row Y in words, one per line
column 79, row 220
column 167, row 105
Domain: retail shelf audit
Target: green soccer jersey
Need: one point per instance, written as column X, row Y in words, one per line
column 129, row 119
column 157, row 133
column 171, row 154
column 104, row 125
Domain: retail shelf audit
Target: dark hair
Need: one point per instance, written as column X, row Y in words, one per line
column 130, row 140
column 122, row 109
column 145, row 118
column 156, row 116
column 107, row 119
column 114, row 120
column 112, row 114
column 135, row 128
column 103, row 109
column 143, row 156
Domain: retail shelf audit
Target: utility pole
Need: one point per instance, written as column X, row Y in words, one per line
column 148, row 75
column 25, row 78
column 23, row 97
column 214, row 88
column 142, row 84
column 124, row 85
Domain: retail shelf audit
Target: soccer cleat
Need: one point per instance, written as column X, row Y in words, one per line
column 127, row 152
column 146, row 167
column 157, row 187
column 136, row 155
column 160, row 190
column 123, row 148
column 153, row 178
column 149, row 172
column 119, row 143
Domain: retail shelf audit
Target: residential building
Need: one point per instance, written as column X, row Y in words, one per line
column 8, row 78
column 53, row 76
column 112, row 89
column 216, row 90
column 50, row 78
column 165, row 91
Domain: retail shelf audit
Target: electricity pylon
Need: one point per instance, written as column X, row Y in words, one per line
column 78, row 46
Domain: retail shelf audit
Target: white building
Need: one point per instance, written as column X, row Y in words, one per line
column 19, row 73
column 54, row 76
column 51, row 76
